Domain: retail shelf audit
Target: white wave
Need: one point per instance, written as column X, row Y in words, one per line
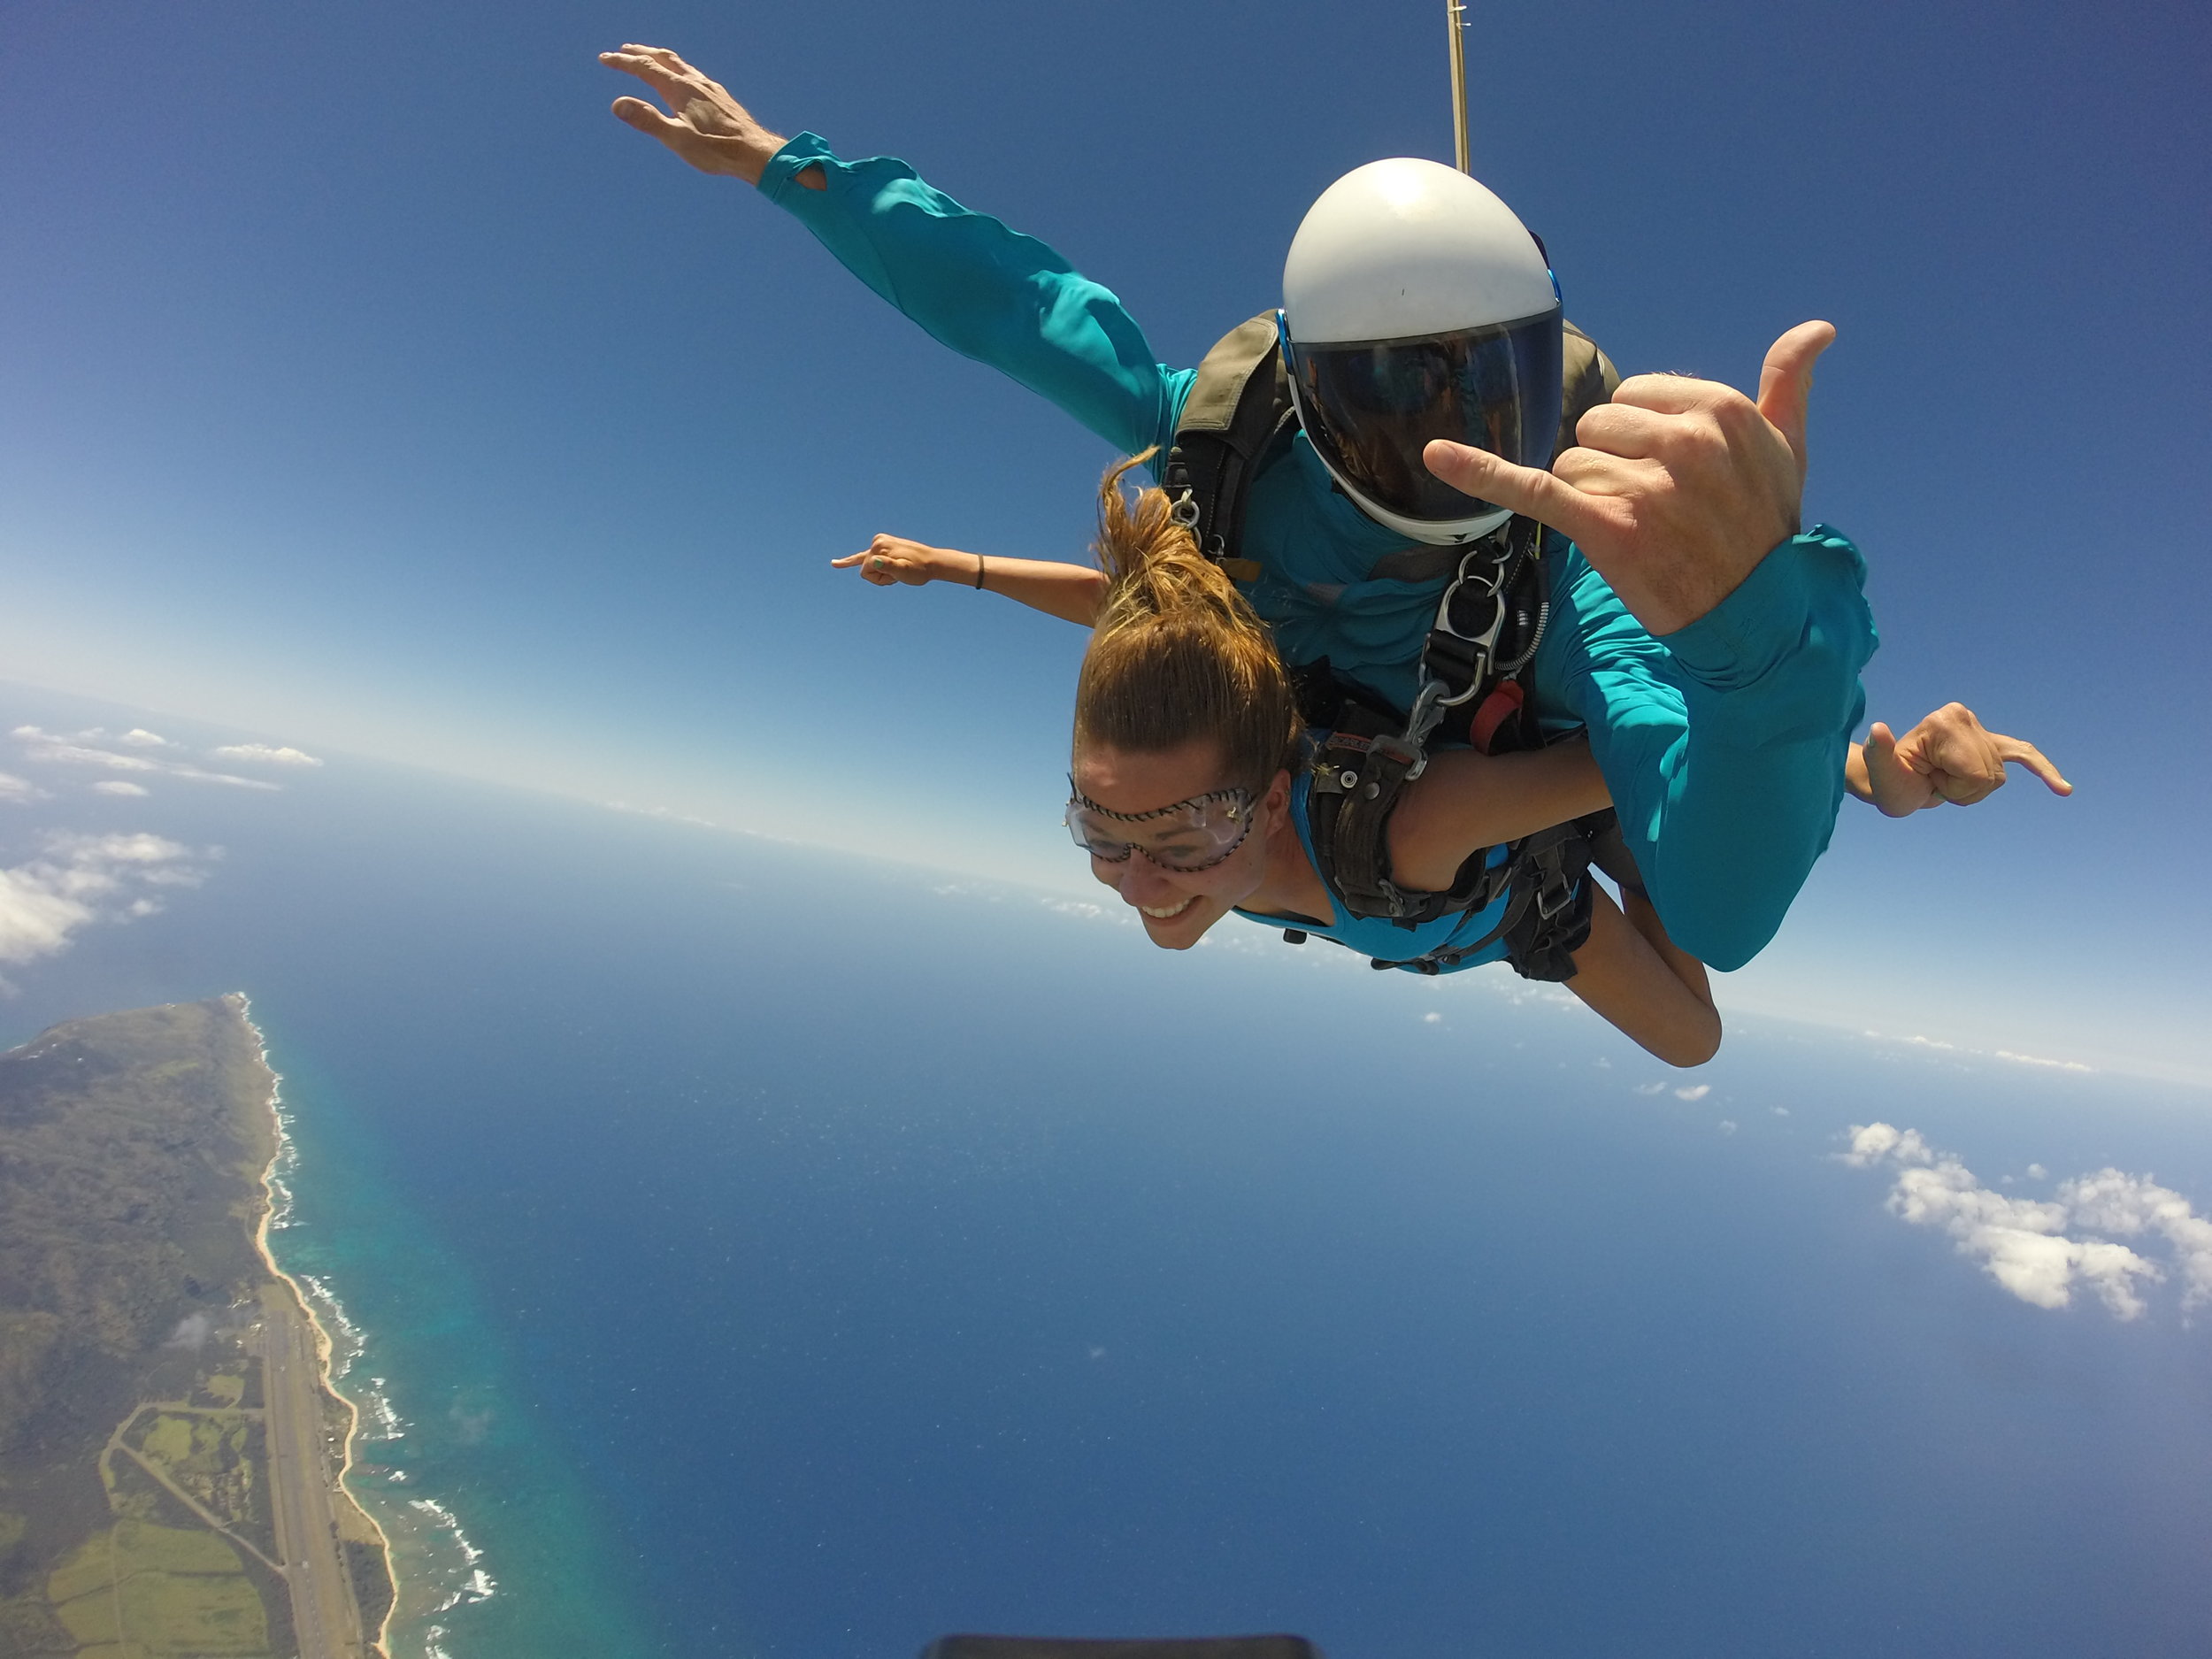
column 283, row 1166
column 376, row 1405
column 460, row 1590
column 348, row 1341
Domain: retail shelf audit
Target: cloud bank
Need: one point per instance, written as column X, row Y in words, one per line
column 80, row 879
column 2042, row 1250
column 83, row 749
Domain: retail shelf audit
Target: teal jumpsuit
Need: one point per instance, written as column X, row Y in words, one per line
column 1722, row 744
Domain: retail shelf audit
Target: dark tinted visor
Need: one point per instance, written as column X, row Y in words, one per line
column 1371, row 407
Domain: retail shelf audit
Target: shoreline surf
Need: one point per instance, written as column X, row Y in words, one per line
column 276, row 1199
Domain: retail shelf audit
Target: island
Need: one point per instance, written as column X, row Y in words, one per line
column 171, row 1454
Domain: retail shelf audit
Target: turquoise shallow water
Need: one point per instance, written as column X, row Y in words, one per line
column 771, row 1255
column 497, row 1547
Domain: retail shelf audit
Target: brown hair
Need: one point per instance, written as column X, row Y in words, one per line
column 1175, row 653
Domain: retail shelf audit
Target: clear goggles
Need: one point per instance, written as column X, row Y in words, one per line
column 1186, row 837
column 1371, row 407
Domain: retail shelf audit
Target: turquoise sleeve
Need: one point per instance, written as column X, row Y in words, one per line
column 1722, row 744
column 987, row 292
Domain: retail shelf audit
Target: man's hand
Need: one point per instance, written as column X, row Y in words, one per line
column 1950, row 755
column 709, row 129
column 1676, row 490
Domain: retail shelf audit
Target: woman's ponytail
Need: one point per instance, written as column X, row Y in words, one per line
column 1175, row 653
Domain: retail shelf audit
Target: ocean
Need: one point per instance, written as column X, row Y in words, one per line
column 754, row 1252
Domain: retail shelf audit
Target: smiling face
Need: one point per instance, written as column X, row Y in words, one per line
column 1177, row 906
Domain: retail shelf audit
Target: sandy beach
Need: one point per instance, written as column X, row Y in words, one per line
column 280, row 1145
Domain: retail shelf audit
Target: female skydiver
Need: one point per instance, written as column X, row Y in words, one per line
column 1950, row 757
column 1184, row 699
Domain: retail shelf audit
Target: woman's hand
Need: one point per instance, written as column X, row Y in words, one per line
column 890, row 560
column 1949, row 756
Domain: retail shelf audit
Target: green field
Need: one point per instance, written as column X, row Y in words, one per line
column 149, row 1592
column 132, row 1149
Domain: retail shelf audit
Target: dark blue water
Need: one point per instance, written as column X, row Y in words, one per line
column 773, row 1255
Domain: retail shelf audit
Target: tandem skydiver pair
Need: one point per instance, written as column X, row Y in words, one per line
column 1393, row 505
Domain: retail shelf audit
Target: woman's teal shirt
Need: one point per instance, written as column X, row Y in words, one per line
column 1373, row 935
column 1722, row 744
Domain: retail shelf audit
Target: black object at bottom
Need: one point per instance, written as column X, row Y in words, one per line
column 1172, row 1648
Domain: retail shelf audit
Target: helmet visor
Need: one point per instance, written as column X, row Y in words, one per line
column 1371, row 407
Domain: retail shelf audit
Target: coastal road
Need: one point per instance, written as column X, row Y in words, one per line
column 301, row 1475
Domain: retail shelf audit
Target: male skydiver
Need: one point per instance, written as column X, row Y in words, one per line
column 1710, row 649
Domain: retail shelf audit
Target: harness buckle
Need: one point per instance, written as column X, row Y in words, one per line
column 1553, row 891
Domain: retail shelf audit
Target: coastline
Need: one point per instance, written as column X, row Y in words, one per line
column 324, row 1349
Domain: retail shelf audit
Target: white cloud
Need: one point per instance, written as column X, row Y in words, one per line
column 265, row 754
column 139, row 737
column 116, row 785
column 2134, row 1205
column 19, row 790
column 668, row 813
column 80, row 749
column 1728, row 1126
column 192, row 1332
column 80, row 879
column 2041, row 1250
column 2031, row 1059
column 1982, row 1054
column 1432, row 1018
column 1693, row 1091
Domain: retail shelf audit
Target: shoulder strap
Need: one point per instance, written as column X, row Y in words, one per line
column 1238, row 405
column 1588, row 378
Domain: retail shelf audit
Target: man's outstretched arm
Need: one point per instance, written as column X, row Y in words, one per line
column 1712, row 650
column 989, row 293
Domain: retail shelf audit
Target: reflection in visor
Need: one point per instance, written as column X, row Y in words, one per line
column 1371, row 407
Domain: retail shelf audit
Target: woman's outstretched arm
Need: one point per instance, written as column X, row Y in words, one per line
column 1649, row 988
column 1070, row 592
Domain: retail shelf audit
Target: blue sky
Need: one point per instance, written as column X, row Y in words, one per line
column 367, row 386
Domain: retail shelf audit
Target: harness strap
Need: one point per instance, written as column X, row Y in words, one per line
column 1549, row 917
column 1239, row 403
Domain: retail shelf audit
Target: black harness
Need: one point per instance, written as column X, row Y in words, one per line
column 1488, row 624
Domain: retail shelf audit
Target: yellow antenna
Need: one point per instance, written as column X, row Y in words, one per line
column 1456, row 21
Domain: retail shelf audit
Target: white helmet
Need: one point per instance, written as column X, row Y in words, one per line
column 1416, row 306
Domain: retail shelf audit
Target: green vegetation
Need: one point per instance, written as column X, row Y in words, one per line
column 158, row 1591
column 135, row 1516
